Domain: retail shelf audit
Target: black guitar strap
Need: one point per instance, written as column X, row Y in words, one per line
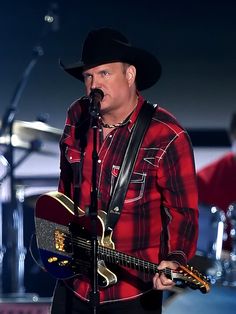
column 126, row 169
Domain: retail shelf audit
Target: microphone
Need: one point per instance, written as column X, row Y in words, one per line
column 95, row 97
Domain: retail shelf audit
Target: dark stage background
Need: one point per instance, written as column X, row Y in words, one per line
column 194, row 40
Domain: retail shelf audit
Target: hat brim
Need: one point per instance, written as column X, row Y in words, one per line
column 147, row 66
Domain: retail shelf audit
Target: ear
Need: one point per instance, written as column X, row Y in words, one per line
column 131, row 74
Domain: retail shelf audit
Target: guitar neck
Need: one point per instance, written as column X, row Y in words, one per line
column 65, row 245
column 122, row 259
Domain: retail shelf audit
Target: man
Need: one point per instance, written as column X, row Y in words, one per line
column 159, row 218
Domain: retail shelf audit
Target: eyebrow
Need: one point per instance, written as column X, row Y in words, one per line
column 87, row 72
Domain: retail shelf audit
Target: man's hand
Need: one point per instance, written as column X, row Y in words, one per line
column 160, row 281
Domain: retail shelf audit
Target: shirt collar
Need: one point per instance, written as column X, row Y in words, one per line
column 135, row 114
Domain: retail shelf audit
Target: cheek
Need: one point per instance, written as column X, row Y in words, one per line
column 121, row 89
column 87, row 89
column 115, row 88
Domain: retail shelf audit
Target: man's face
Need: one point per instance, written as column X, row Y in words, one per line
column 114, row 79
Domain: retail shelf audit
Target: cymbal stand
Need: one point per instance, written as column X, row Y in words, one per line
column 2, row 248
column 15, row 242
column 3, row 170
column 15, row 249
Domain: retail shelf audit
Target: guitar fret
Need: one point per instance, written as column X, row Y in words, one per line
column 111, row 256
column 122, row 259
column 63, row 251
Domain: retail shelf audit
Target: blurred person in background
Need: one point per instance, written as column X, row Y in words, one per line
column 217, row 182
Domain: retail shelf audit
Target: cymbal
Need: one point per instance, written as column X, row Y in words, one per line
column 26, row 133
column 36, row 130
column 16, row 142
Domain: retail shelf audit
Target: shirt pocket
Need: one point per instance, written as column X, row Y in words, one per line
column 136, row 185
column 72, row 155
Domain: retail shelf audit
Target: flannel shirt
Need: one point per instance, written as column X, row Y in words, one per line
column 159, row 219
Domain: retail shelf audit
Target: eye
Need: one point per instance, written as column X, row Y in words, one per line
column 87, row 76
column 105, row 73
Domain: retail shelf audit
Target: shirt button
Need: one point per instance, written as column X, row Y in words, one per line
column 99, row 161
column 110, row 135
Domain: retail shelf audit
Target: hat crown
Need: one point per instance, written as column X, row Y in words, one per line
column 106, row 34
column 101, row 43
column 107, row 45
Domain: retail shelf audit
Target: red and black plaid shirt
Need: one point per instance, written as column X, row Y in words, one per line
column 159, row 219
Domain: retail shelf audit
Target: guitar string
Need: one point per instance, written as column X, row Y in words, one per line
column 84, row 244
column 115, row 254
column 127, row 259
column 130, row 259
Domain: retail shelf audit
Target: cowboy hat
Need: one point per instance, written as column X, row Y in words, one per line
column 106, row 45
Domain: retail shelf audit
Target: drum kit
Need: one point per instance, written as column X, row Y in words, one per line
column 24, row 175
column 216, row 258
column 217, row 244
column 21, row 143
column 39, row 139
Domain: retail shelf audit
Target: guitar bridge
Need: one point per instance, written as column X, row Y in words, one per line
column 63, row 242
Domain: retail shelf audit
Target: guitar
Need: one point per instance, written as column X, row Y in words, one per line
column 65, row 246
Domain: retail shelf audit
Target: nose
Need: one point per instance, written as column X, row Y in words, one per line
column 95, row 83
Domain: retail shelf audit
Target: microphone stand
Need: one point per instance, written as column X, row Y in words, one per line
column 93, row 209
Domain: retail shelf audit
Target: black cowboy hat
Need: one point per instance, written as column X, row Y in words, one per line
column 106, row 45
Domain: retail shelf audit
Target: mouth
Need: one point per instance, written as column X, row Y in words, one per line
column 104, row 97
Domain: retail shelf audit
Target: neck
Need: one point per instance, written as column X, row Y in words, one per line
column 118, row 115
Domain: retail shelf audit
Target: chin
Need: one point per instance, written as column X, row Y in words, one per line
column 104, row 105
column 104, row 110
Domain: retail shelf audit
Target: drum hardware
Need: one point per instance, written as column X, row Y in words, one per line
column 217, row 227
column 218, row 221
column 220, row 300
column 27, row 148
column 29, row 194
column 231, row 215
column 230, row 263
column 27, row 137
column 23, row 132
column 3, row 170
column 223, row 268
column 13, row 251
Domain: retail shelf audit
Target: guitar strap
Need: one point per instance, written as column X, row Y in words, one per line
column 126, row 169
